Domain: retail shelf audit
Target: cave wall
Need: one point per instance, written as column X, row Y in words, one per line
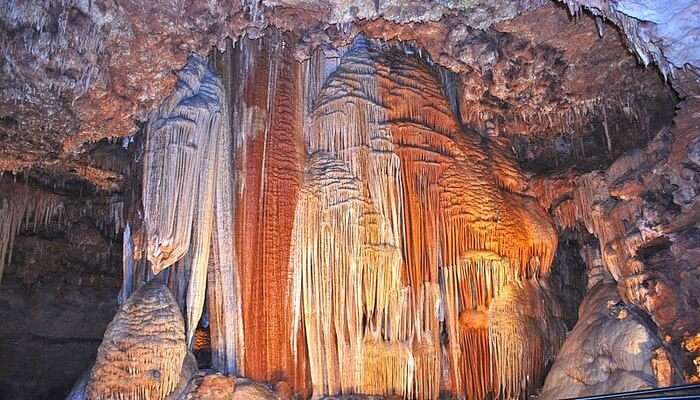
column 643, row 213
column 58, row 292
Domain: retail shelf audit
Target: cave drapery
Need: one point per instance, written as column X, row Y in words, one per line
column 349, row 234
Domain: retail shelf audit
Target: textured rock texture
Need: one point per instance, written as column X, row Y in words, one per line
column 643, row 214
column 384, row 172
column 212, row 387
column 79, row 72
column 253, row 391
column 662, row 32
column 143, row 349
column 396, row 194
column 264, row 83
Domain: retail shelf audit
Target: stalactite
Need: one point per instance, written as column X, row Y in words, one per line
column 137, row 360
column 591, row 202
column 12, row 213
column 128, row 266
column 196, row 261
column 135, row 268
column 175, row 164
column 223, row 279
column 188, row 207
column 24, row 207
column 525, row 328
column 332, row 319
column 569, row 115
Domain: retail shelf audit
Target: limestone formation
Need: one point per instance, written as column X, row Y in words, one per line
column 212, row 387
column 611, row 349
column 266, row 127
column 23, row 207
column 642, row 214
column 348, row 199
column 188, row 203
column 253, row 391
column 143, row 350
column 405, row 221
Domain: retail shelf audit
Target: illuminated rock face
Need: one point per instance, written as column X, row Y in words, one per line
column 268, row 158
column 188, row 205
column 143, row 349
column 408, row 231
column 356, row 238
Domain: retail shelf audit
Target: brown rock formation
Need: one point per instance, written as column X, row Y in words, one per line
column 612, row 349
column 212, row 387
column 267, row 126
column 642, row 211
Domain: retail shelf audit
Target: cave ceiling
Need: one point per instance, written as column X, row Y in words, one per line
column 78, row 80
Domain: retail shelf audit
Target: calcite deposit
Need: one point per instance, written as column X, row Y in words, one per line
column 143, row 349
column 612, row 349
column 305, row 199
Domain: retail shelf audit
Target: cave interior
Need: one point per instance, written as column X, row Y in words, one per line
column 277, row 199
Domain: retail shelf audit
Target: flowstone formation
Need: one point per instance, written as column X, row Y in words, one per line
column 264, row 84
column 187, row 206
column 341, row 198
column 411, row 241
column 348, row 234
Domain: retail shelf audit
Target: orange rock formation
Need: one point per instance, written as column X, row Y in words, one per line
column 363, row 241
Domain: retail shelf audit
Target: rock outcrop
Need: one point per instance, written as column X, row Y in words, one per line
column 643, row 214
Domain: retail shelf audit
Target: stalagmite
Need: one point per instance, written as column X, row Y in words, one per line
column 143, row 349
column 612, row 349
